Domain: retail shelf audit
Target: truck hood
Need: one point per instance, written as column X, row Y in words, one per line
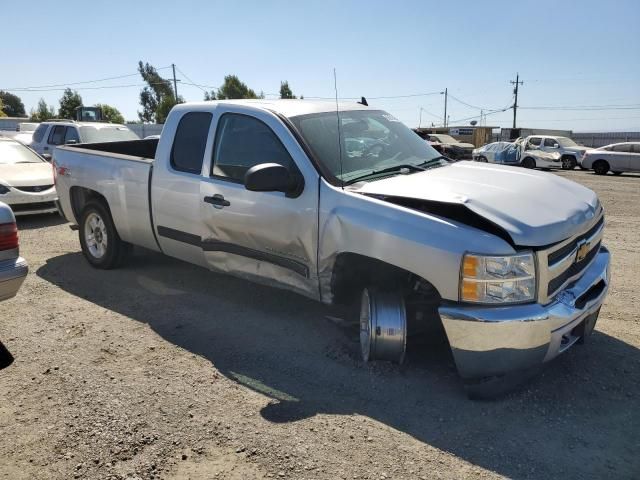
column 533, row 208
column 26, row 174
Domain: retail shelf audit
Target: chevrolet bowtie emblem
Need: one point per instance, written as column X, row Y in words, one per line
column 583, row 250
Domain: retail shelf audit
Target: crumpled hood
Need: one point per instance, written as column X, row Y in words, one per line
column 26, row 174
column 534, row 208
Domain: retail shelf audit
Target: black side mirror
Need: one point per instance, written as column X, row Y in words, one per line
column 71, row 142
column 273, row 177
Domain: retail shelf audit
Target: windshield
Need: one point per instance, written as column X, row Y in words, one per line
column 106, row 134
column 371, row 140
column 566, row 142
column 14, row 152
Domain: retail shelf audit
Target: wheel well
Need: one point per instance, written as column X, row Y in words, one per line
column 352, row 272
column 81, row 196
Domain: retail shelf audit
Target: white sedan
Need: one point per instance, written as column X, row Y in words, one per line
column 26, row 180
column 617, row 158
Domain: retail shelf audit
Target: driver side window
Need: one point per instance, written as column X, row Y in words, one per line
column 242, row 142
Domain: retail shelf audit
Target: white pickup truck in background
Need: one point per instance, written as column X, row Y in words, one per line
column 352, row 206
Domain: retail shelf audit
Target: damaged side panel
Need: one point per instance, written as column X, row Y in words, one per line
column 416, row 241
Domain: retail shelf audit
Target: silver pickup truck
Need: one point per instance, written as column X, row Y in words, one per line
column 349, row 205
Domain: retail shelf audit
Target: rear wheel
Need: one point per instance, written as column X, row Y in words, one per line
column 100, row 242
column 482, row 159
column 529, row 162
column 601, row 167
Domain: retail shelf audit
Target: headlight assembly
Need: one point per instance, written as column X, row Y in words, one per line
column 498, row 279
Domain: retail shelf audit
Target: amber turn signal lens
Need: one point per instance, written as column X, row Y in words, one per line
column 470, row 290
column 470, row 266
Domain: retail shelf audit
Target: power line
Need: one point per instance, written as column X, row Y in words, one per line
column 78, row 83
column 192, row 82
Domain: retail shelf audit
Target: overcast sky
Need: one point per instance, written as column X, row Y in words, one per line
column 571, row 54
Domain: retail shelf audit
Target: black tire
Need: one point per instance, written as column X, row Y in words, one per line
column 601, row 167
column 617, row 173
column 528, row 162
column 103, row 247
column 482, row 159
column 569, row 162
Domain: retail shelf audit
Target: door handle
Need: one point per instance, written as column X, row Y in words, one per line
column 217, row 201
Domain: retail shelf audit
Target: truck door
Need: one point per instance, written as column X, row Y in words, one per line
column 175, row 184
column 263, row 236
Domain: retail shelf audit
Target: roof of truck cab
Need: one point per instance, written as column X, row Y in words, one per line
column 288, row 108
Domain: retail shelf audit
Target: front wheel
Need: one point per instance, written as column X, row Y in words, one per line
column 529, row 162
column 482, row 159
column 383, row 326
column 99, row 239
column 569, row 162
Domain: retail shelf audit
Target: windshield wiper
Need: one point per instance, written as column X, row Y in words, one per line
column 395, row 168
column 432, row 160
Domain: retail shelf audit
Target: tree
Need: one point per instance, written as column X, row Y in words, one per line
column 209, row 96
column 233, row 88
column 12, row 105
column 69, row 101
column 159, row 90
column 2, row 114
column 165, row 106
column 42, row 112
column 285, row 90
column 110, row 114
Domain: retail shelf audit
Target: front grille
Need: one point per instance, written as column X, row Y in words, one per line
column 30, row 207
column 559, row 254
column 35, row 188
column 572, row 271
column 557, row 264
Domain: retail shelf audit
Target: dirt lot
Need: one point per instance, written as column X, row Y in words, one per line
column 164, row 370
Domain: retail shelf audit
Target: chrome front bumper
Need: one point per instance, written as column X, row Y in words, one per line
column 12, row 274
column 489, row 341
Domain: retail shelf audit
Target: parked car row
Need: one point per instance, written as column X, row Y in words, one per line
column 541, row 151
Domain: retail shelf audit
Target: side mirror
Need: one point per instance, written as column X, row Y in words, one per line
column 273, row 177
column 555, row 145
column 71, row 141
column 46, row 156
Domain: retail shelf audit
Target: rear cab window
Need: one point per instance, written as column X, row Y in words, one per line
column 187, row 153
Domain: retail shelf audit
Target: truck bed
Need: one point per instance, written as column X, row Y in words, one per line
column 118, row 171
column 140, row 149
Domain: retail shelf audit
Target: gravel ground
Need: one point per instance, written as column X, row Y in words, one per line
column 164, row 370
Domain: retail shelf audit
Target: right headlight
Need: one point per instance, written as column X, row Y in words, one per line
column 494, row 279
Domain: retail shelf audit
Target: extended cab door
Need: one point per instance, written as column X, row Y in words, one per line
column 264, row 236
column 176, row 177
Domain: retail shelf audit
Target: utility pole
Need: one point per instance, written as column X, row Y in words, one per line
column 420, row 121
column 445, row 106
column 515, row 91
column 175, row 82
